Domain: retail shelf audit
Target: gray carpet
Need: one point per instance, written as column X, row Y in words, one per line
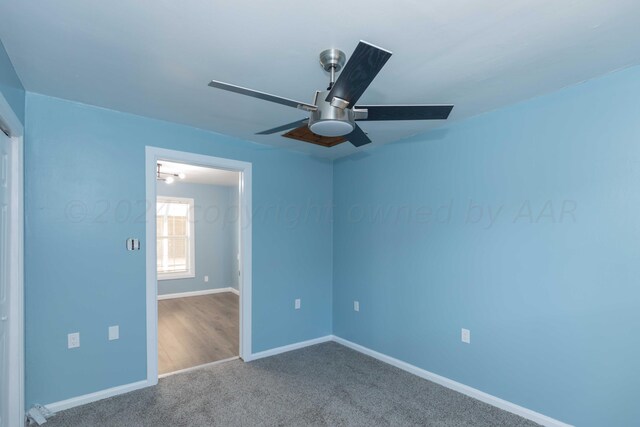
column 322, row 385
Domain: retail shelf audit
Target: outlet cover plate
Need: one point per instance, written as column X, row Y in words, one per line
column 114, row 332
column 73, row 340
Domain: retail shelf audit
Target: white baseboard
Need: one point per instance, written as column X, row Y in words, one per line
column 438, row 379
column 197, row 293
column 454, row 385
column 110, row 392
column 98, row 395
column 286, row 348
column 234, row 290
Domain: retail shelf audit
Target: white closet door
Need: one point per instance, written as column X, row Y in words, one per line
column 5, row 318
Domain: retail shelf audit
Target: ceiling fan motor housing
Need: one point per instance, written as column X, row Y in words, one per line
column 328, row 120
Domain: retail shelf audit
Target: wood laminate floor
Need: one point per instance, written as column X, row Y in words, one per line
column 196, row 330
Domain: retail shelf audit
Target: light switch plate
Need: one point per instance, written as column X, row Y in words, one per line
column 133, row 244
column 297, row 304
column 73, row 340
column 356, row 306
column 206, row 278
column 466, row 336
column 114, row 332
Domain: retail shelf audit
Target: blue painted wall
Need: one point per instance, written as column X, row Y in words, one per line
column 10, row 85
column 85, row 195
column 216, row 236
column 522, row 225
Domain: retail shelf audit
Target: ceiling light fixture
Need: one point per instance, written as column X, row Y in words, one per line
column 168, row 177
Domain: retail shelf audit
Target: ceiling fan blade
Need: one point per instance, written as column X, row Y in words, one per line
column 406, row 112
column 358, row 137
column 303, row 133
column 363, row 66
column 283, row 127
column 262, row 95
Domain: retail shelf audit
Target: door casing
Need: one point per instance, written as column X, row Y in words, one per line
column 9, row 122
column 152, row 156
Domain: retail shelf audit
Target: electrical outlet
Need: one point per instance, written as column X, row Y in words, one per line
column 466, row 336
column 114, row 332
column 73, row 340
column 297, row 304
column 356, row 306
column 206, row 278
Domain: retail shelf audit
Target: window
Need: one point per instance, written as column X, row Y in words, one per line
column 175, row 238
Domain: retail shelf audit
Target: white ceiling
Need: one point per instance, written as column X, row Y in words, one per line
column 155, row 57
column 200, row 175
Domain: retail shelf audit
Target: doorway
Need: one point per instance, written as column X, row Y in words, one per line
column 197, row 249
column 198, row 261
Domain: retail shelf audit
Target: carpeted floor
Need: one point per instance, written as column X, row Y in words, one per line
column 322, row 385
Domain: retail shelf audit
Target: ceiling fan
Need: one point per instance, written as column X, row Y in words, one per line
column 333, row 113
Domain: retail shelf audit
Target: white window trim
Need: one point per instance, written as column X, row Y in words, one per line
column 192, row 240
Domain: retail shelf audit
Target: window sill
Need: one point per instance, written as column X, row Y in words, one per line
column 172, row 276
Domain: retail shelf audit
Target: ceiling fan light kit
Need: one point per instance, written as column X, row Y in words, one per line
column 333, row 113
column 330, row 120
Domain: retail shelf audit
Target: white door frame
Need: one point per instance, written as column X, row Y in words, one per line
column 9, row 121
column 152, row 155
